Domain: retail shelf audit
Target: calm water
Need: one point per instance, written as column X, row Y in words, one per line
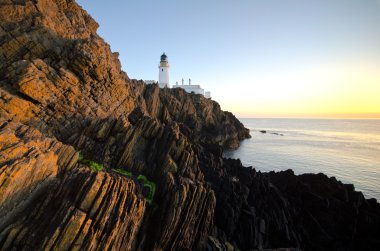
column 346, row 149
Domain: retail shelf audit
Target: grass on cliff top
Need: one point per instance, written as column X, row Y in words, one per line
column 96, row 167
column 145, row 182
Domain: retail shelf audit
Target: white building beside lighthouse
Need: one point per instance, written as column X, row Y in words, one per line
column 163, row 74
column 190, row 88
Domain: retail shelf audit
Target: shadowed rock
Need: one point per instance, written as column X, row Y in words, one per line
column 62, row 91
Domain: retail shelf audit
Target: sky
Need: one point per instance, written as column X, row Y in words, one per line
column 259, row 58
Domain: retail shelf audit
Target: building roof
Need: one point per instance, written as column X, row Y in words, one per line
column 164, row 57
column 188, row 86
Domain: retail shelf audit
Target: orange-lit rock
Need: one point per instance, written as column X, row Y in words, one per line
column 62, row 91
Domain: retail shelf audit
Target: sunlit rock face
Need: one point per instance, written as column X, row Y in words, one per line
column 48, row 200
column 62, row 92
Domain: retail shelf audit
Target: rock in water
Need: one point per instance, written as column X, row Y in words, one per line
column 91, row 159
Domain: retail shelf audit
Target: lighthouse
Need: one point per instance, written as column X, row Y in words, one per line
column 163, row 75
column 163, row 80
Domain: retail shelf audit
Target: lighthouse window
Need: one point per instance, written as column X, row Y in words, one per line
column 162, row 69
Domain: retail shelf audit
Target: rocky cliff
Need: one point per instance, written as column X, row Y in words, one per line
column 60, row 80
column 90, row 159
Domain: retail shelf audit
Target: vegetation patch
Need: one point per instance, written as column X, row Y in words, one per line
column 123, row 172
column 150, row 185
column 96, row 167
column 144, row 181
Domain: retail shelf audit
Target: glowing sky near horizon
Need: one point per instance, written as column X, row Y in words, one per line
column 258, row 58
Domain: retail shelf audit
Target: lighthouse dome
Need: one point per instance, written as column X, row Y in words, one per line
column 164, row 57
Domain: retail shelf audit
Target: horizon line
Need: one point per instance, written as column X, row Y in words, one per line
column 314, row 116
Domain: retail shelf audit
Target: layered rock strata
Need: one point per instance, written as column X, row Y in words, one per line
column 59, row 78
column 49, row 201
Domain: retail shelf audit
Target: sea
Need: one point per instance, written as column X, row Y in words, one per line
column 348, row 149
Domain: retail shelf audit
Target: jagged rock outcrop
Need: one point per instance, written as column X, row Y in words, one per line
column 59, row 78
column 198, row 114
column 48, row 201
column 281, row 210
column 62, row 92
column 52, row 57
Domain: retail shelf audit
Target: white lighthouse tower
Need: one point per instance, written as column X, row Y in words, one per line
column 163, row 75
